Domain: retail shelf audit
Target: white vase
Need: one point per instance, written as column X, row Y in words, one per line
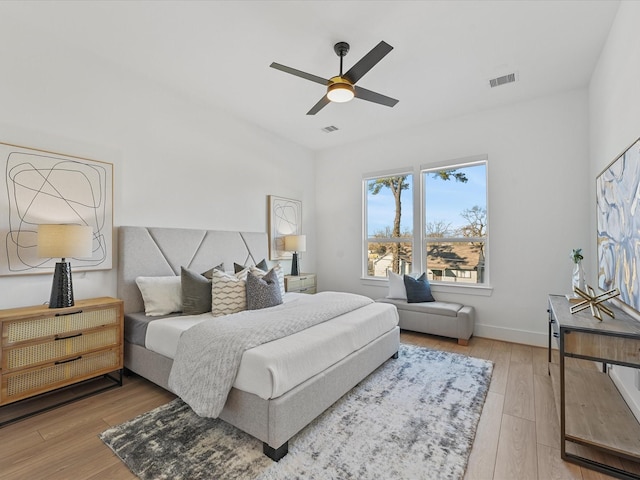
column 577, row 277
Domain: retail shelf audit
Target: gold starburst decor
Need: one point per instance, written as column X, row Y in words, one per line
column 595, row 302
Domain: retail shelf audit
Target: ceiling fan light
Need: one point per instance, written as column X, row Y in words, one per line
column 340, row 92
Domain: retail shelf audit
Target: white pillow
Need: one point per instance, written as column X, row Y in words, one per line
column 161, row 295
column 228, row 292
column 397, row 289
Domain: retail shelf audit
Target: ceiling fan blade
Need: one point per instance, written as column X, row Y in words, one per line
column 367, row 62
column 319, row 106
column 301, row 74
column 368, row 95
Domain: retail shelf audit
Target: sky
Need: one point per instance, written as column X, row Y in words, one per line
column 445, row 200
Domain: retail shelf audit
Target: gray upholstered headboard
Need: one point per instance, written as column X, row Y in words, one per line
column 148, row 251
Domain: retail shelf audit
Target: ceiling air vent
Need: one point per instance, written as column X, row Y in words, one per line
column 329, row 129
column 496, row 82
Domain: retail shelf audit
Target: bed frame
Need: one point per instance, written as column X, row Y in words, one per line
column 162, row 251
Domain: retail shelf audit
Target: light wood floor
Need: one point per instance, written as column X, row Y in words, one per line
column 517, row 438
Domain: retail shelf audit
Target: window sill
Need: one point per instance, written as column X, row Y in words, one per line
column 438, row 287
column 466, row 289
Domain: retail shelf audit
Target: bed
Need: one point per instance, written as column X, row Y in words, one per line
column 271, row 414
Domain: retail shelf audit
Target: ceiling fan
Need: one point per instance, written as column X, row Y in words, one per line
column 342, row 88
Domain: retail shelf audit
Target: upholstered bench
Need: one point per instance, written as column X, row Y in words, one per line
column 436, row 318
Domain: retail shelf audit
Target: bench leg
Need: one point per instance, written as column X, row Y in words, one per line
column 463, row 342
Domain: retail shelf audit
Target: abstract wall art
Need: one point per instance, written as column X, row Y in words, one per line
column 618, row 223
column 39, row 187
column 285, row 218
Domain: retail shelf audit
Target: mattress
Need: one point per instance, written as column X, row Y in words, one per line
column 274, row 368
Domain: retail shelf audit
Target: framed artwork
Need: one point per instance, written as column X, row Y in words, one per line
column 618, row 222
column 39, row 187
column 285, row 218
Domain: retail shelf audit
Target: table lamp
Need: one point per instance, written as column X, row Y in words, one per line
column 295, row 244
column 64, row 241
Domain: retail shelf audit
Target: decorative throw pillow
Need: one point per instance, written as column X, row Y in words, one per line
column 279, row 272
column 263, row 292
column 228, row 292
column 209, row 272
column 161, row 295
column 418, row 289
column 396, row 287
column 262, row 265
column 196, row 292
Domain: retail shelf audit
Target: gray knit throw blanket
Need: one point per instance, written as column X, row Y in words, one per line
column 209, row 354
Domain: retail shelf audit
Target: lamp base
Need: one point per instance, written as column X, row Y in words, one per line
column 294, row 265
column 62, row 287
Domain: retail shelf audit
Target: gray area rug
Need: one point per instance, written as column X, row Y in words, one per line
column 413, row 418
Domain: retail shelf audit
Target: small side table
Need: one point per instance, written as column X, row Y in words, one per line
column 305, row 283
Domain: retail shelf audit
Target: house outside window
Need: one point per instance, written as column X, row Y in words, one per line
column 388, row 223
column 447, row 218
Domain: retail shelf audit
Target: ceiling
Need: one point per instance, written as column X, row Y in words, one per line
column 445, row 52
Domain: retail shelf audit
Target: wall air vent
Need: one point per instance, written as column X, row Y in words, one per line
column 503, row 80
column 329, row 129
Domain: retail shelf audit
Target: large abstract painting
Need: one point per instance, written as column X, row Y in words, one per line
column 618, row 221
column 40, row 187
column 285, row 218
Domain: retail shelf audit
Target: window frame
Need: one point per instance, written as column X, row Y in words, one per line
column 452, row 165
column 365, row 215
column 419, row 226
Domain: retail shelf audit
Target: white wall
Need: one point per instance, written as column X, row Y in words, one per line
column 538, row 209
column 177, row 163
column 614, row 103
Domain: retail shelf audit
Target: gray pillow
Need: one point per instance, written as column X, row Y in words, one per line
column 263, row 292
column 418, row 289
column 262, row 265
column 196, row 292
column 209, row 273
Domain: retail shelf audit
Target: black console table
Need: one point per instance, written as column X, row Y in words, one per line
column 597, row 428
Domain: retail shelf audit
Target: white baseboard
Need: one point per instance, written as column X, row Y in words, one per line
column 525, row 337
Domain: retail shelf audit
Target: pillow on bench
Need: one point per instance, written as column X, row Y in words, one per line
column 418, row 289
column 413, row 290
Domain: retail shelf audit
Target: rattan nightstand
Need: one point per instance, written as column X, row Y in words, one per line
column 45, row 349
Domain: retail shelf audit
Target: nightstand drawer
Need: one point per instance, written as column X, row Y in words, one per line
column 28, row 382
column 307, row 290
column 58, row 324
column 28, row 355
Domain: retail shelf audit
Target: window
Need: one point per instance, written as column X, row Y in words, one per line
column 450, row 224
column 388, row 225
column 455, row 220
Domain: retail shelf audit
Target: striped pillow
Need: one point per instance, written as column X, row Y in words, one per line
column 228, row 292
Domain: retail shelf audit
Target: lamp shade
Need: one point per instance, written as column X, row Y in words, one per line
column 65, row 241
column 295, row 243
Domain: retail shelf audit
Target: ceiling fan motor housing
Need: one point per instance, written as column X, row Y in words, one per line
column 341, row 48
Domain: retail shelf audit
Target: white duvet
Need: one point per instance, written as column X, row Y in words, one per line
column 274, row 368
